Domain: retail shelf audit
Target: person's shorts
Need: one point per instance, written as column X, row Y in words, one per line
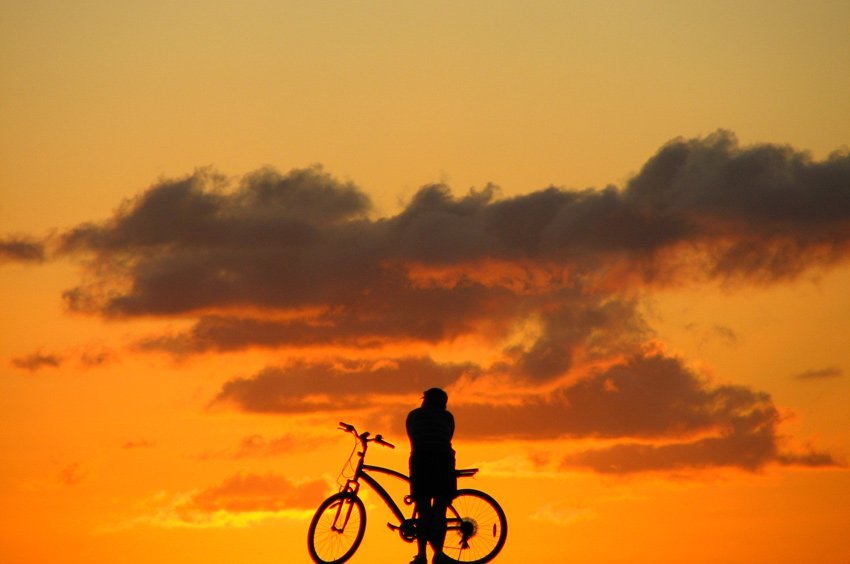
column 432, row 475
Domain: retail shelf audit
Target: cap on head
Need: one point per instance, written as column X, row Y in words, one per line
column 435, row 397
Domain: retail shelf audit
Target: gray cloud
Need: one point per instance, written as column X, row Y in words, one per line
column 569, row 320
column 751, row 451
column 661, row 415
column 296, row 260
column 302, row 244
column 341, row 385
column 387, row 312
column 88, row 357
column 646, row 397
column 37, row 360
column 274, row 241
column 21, row 249
column 303, row 239
column 820, row 374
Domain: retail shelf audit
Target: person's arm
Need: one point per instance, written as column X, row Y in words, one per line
column 408, row 425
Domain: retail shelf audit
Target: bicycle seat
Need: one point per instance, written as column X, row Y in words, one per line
column 466, row 472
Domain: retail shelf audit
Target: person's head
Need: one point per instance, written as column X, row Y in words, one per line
column 435, row 397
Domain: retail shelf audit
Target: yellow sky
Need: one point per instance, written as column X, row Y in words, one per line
column 107, row 445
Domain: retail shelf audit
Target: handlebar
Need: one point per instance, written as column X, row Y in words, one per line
column 364, row 437
column 380, row 440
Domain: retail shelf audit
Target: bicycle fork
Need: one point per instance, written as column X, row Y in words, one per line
column 346, row 506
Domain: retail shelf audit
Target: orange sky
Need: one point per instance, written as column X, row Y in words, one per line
column 616, row 233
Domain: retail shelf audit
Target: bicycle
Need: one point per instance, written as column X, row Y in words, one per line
column 476, row 525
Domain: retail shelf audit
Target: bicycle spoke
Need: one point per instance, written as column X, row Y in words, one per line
column 483, row 525
column 337, row 529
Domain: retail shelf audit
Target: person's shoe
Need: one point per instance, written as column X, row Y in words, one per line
column 419, row 559
column 439, row 558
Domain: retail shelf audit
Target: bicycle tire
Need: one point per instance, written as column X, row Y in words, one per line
column 328, row 545
column 485, row 516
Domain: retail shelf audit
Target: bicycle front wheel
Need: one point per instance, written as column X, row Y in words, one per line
column 477, row 528
column 336, row 529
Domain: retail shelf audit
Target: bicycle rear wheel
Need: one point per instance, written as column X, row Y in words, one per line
column 477, row 528
column 336, row 529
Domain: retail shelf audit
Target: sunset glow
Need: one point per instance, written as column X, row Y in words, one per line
column 618, row 235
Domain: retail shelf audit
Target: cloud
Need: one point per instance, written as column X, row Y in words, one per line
column 745, row 449
column 820, row 374
column 684, row 421
column 72, row 474
column 21, row 249
column 189, row 244
column 238, row 501
column 551, row 282
column 295, row 259
column 258, row 492
column 563, row 514
column 37, row 360
column 96, row 357
column 647, row 396
column 340, row 385
column 87, row 357
column 566, row 322
column 257, row 446
column 138, row 444
column 660, row 414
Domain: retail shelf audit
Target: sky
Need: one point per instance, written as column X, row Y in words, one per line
column 617, row 233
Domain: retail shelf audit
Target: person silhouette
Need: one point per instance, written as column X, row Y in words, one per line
column 433, row 482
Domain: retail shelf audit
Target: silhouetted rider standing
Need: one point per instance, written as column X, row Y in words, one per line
column 433, row 483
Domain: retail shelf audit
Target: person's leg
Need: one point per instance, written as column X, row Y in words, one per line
column 421, row 504
column 438, row 524
column 423, row 512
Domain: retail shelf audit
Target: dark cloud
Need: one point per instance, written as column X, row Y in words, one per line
column 88, row 358
column 302, row 246
column 601, row 328
column 820, row 374
column 384, row 314
column 660, row 414
column 750, row 451
column 37, row 360
column 21, row 249
column 341, row 385
column 568, row 320
column 726, row 334
column 721, row 333
column 273, row 241
column 96, row 357
column 647, row 397
column 296, row 260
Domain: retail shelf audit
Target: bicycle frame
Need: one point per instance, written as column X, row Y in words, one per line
column 406, row 527
column 352, row 485
column 381, row 491
column 338, row 526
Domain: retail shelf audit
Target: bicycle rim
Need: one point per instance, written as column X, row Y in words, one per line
column 485, row 523
column 336, row 529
